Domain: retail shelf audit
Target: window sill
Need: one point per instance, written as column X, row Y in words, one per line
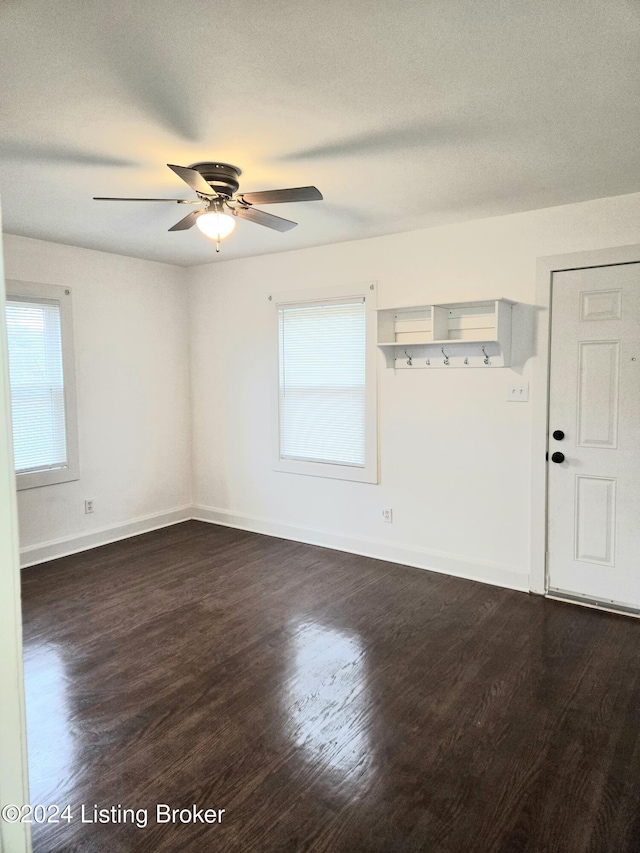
column 51, row 477
column 366, row 474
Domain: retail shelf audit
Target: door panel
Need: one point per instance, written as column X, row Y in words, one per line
column 595, row 519
column 594, row 492
column 601, row 305
column 598, row 389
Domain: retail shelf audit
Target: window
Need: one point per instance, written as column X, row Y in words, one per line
column 41, row 377
column 327, row 402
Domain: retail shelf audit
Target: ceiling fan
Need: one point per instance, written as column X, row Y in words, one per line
column 216, row 185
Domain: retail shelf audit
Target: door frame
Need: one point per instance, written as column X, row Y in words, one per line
column 546, row 267
column 14, row 785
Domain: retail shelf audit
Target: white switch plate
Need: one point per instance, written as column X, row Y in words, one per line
column 518, row 392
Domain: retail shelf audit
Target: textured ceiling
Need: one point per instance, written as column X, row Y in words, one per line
column 405, row 115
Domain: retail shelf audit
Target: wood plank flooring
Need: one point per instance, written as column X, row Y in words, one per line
column 325, row 701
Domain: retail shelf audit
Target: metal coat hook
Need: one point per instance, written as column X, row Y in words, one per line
column 486, row 357
column 466, row 361
column 428, row 362
column 409, row 362
column 446, row 357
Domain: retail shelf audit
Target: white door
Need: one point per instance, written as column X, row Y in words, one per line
column 594, row 492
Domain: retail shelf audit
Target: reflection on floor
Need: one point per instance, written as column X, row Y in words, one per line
column 51, row 740
column 327, row 705
column 326, row 702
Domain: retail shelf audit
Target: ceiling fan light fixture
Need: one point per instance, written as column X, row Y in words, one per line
column 216, row 185
column 216, row 225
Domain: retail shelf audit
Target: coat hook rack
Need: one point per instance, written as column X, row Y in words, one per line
column 446, row 336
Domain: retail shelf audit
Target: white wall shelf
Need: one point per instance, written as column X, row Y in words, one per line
column 460, row 334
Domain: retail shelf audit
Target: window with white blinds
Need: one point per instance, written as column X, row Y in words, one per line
column 322, row 381
column 39, row 341
column 37, row 385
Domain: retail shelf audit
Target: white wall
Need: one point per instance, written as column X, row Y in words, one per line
column 131, row 348
column 455, row 456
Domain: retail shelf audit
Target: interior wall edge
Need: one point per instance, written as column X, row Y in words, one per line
column 505, row 576
column 42, row 552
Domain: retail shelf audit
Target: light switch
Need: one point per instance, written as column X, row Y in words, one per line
column 518, row 392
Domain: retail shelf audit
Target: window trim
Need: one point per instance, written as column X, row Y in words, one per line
column 335, row 471
column 29, row 290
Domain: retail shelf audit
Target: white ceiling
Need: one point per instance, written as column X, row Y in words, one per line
column 405, row 115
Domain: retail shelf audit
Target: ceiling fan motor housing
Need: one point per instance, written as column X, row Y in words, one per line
column 222, row 177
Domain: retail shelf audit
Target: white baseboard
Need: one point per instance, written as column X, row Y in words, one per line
column 435, row 561
column 496, row 574
column 43, row 551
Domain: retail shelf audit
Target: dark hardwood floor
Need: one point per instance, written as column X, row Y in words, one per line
column 326, row 702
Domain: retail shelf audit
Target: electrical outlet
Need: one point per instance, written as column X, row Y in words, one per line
column 88, row 506
column 518, row 392
column 387, row 515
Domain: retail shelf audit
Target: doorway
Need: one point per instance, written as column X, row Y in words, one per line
column 593, row 513
column 593, row 385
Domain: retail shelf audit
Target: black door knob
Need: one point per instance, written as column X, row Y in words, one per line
column 557, row 456
column 558, row 434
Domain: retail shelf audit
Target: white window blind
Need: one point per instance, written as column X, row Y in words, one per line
column 37, row 384
column 322, row 381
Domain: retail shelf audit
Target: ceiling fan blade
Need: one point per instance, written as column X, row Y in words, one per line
column 194, row 179
column 179, row 200
column 188, row 222
column 277, row 196
column 262, row 218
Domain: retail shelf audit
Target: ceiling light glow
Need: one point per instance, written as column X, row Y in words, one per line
column 216, row 226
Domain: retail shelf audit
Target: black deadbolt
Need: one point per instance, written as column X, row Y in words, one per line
column 557, row 456
column 558, row 434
